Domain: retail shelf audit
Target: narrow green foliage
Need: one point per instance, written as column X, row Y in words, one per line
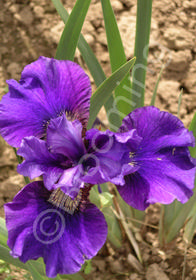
column 115, row 46
column 193, row 129
column 117, row 58
column 144, row 11
column 103, row 92
column 70, row 36
column 99, row 77
column 61, row 10
column 191, row 219
column 5, row 255
column 172, row 219
column 3, row 233
column 35, row 274
column 85, row 50
column 190, row 226
column 114, row 230
column 125, row 214
column 91, row 61
column 152, row 103
column 92, row 64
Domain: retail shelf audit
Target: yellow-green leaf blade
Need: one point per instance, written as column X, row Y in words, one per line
column 103, row 92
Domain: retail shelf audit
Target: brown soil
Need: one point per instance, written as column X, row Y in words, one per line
column 29, row 29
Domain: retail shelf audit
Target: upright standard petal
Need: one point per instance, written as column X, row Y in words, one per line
column 39, row 228
column 47, row 89
column 65, row 137
column 165, row 169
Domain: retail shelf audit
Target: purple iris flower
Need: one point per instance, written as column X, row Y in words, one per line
column 47, row 89
column 48, row 224
column 68, row 161
column 165, row 170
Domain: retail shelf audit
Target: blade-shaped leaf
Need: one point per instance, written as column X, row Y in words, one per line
column 173, row 218
column 125, row 215
column 193, row 129
column 85, row 50
column 5, row 255
column 144, row 11
column 130, row 234
column 114, row 230
column 191, row 224
column 117, row 58
column 190, row 227
column 35, row 274
column 3, row 233
column 92, row 64
column 70, row 36
column 105, row 90
column 98, row 76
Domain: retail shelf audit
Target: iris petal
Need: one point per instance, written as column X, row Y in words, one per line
column 151, row 124
column 39, row 161
column 166, row 170
column 65, row 137
column 58, row 158
column 111, row 154
column 47, row 88
column 36, row 229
